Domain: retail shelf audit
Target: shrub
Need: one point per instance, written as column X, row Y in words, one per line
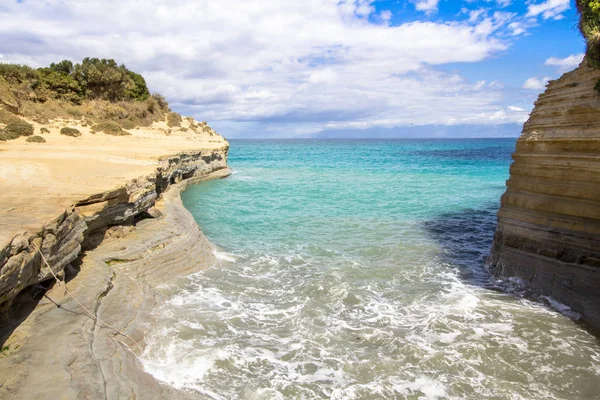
column 35, row 139
column 160, row 101
column 589, row 25
column 16, row 74
column 75, row 112
column 109, row 128
column 105, row 79
column 173, row 119
column 93, row 78
column 44, row 130
column 6, row 117
column 70, row 132
column 17, row 128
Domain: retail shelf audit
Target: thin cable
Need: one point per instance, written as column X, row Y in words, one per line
column 90, row 314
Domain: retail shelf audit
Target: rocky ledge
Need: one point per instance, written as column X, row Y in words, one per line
column 106, row 214
column 548, row 232
column 58, row 351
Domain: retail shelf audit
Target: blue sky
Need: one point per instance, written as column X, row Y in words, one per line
column 260, row 68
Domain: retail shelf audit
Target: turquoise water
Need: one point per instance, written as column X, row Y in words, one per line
column 356, row 269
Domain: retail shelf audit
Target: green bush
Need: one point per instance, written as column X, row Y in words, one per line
column 70, row 132
column 589, row 25
column 109, row 128
column 95, row 90
column 105, row 79
column 35, row 139
column 44, row 130
column 93, row 78
column 16, row 74
column 17, row 128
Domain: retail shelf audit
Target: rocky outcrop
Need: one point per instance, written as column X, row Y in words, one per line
column 81, row 226
column 548, row 232
column 61, row 352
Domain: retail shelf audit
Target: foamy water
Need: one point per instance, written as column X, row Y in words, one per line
column 355, row 270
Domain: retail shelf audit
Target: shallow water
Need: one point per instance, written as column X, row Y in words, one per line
column 355, row 270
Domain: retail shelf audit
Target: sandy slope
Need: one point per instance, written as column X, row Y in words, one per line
column 39, row 180
column 50, row 352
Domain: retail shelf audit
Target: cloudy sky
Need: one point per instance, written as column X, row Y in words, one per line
column 267, row 68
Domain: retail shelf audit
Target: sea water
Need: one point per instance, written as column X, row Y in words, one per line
column 355, row 269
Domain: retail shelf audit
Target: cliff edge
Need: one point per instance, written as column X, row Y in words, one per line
column 106, row 213
column 548, row 232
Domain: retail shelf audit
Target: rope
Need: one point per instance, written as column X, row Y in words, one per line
column 88, row 312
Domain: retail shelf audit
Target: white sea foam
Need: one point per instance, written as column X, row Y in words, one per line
column 224, row 256
column 285, row 324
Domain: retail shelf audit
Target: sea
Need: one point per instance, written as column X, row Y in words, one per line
column 356, row 269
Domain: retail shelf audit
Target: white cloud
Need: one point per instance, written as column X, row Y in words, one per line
column 385, row 15
column 513, row 108
column 428, row 6
column 549, row 9
column 291, row 65
column 567, row 63
column 504, row 3
column 536, row 83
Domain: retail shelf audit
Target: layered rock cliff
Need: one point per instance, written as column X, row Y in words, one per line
column 548, row 232
column 106, row 213
column 61, row 240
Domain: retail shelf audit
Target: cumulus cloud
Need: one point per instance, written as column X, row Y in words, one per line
column 385, row 15
column 292, row 66
column 549, row 9
column 514, row 108
column 567, row 63
column 428, row 6
column 536, row 83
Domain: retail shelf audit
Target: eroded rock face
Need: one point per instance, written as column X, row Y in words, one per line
column 61, row 240
column 548, row 230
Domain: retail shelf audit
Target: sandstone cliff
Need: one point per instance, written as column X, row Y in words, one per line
column 106, row 213
column 548, row 230
column 59, row 195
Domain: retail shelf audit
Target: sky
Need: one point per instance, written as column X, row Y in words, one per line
column 307, row 68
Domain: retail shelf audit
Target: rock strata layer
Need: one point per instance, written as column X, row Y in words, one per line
column 63, row 353
column 548, row 232
column 62, row 239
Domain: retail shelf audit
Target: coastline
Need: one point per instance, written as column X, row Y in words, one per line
column 63, row 353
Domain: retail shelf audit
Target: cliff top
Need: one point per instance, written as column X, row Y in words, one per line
column 38, row 181
column 69, row 131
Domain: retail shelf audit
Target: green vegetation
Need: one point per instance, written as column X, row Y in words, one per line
column 70, row 132
column 589, row 25
column 91, row 79
column 17, row 128
column 96, row 92
column 35, row 139
column 109, row 128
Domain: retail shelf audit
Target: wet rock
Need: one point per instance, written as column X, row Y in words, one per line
column 548, row 230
